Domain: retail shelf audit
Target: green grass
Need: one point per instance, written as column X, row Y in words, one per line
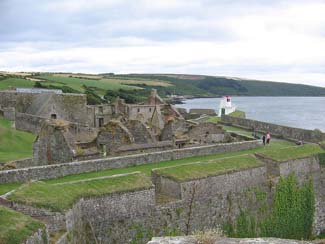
column 211, row 168
column 15, row 227
column 238, row 114
column 294, row 152
column 60, row 197
column 15, row 82
column 102, row 85
column 4, row 188
column 214, row 119
column 14, row 144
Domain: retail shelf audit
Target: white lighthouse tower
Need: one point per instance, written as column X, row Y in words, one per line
column 225, row 106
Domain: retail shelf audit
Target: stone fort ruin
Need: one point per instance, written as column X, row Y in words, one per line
column 69, row 130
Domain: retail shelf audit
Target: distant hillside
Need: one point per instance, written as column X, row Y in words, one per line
column 199, row 85
column 135, row 87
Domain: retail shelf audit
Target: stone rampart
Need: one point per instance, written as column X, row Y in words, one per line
column 213, row 185
column 136, row 216
column 276, row 130
column 60, row 170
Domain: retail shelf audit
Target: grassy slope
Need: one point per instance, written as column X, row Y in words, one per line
column 167, row 84
column 294, row 152
column 210, row 168
column 77, row 83
column 11, row 82
column 212, row 86
column 14, row 144
column 61, row 197
column 16, row 227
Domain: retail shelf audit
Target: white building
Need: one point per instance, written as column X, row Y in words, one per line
column 225, row 106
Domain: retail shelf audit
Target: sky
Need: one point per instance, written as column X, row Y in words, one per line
column 279, row 40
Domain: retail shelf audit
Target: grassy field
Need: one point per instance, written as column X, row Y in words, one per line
column 15, row 227
column 102, row 85
column 60, row 197
column 14, row 144
column 15, row 82
column 294, row 152
column 213, row 167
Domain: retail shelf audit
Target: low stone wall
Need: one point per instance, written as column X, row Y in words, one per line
column 276, row 130
column 60, row 170
column 28, row 122
column 54, row 221
column 21, row 163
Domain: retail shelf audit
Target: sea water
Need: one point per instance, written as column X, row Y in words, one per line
column 300, row 112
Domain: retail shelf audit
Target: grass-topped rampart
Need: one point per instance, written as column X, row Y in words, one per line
column 210, row 168
column 60, row 197
column 15, row 227
column 146, row 168
column 291, row 153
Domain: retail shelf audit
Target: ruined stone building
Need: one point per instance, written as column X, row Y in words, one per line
column 68, row 129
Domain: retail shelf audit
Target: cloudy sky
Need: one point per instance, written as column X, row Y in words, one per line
column 279, row 40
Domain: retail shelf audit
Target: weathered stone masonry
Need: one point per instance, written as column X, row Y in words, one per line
column 136, row 216
column 217, row 199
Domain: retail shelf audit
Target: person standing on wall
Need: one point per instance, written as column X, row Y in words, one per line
column 268, row 137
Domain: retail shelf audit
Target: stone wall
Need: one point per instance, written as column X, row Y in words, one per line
column 212, row 185
column 54, row 144
column 60, row 170
column 136, row 216
column 16, row 100
column 9, row 113
column 39, row 237
column 21, row 163
column 70, row 107
column 141, row 112
column 29, row 123
column 305, row 169
column 140, row 132
column 276, row 130
column 207, row 132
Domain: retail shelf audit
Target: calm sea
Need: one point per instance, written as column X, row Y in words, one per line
column 301, row 112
